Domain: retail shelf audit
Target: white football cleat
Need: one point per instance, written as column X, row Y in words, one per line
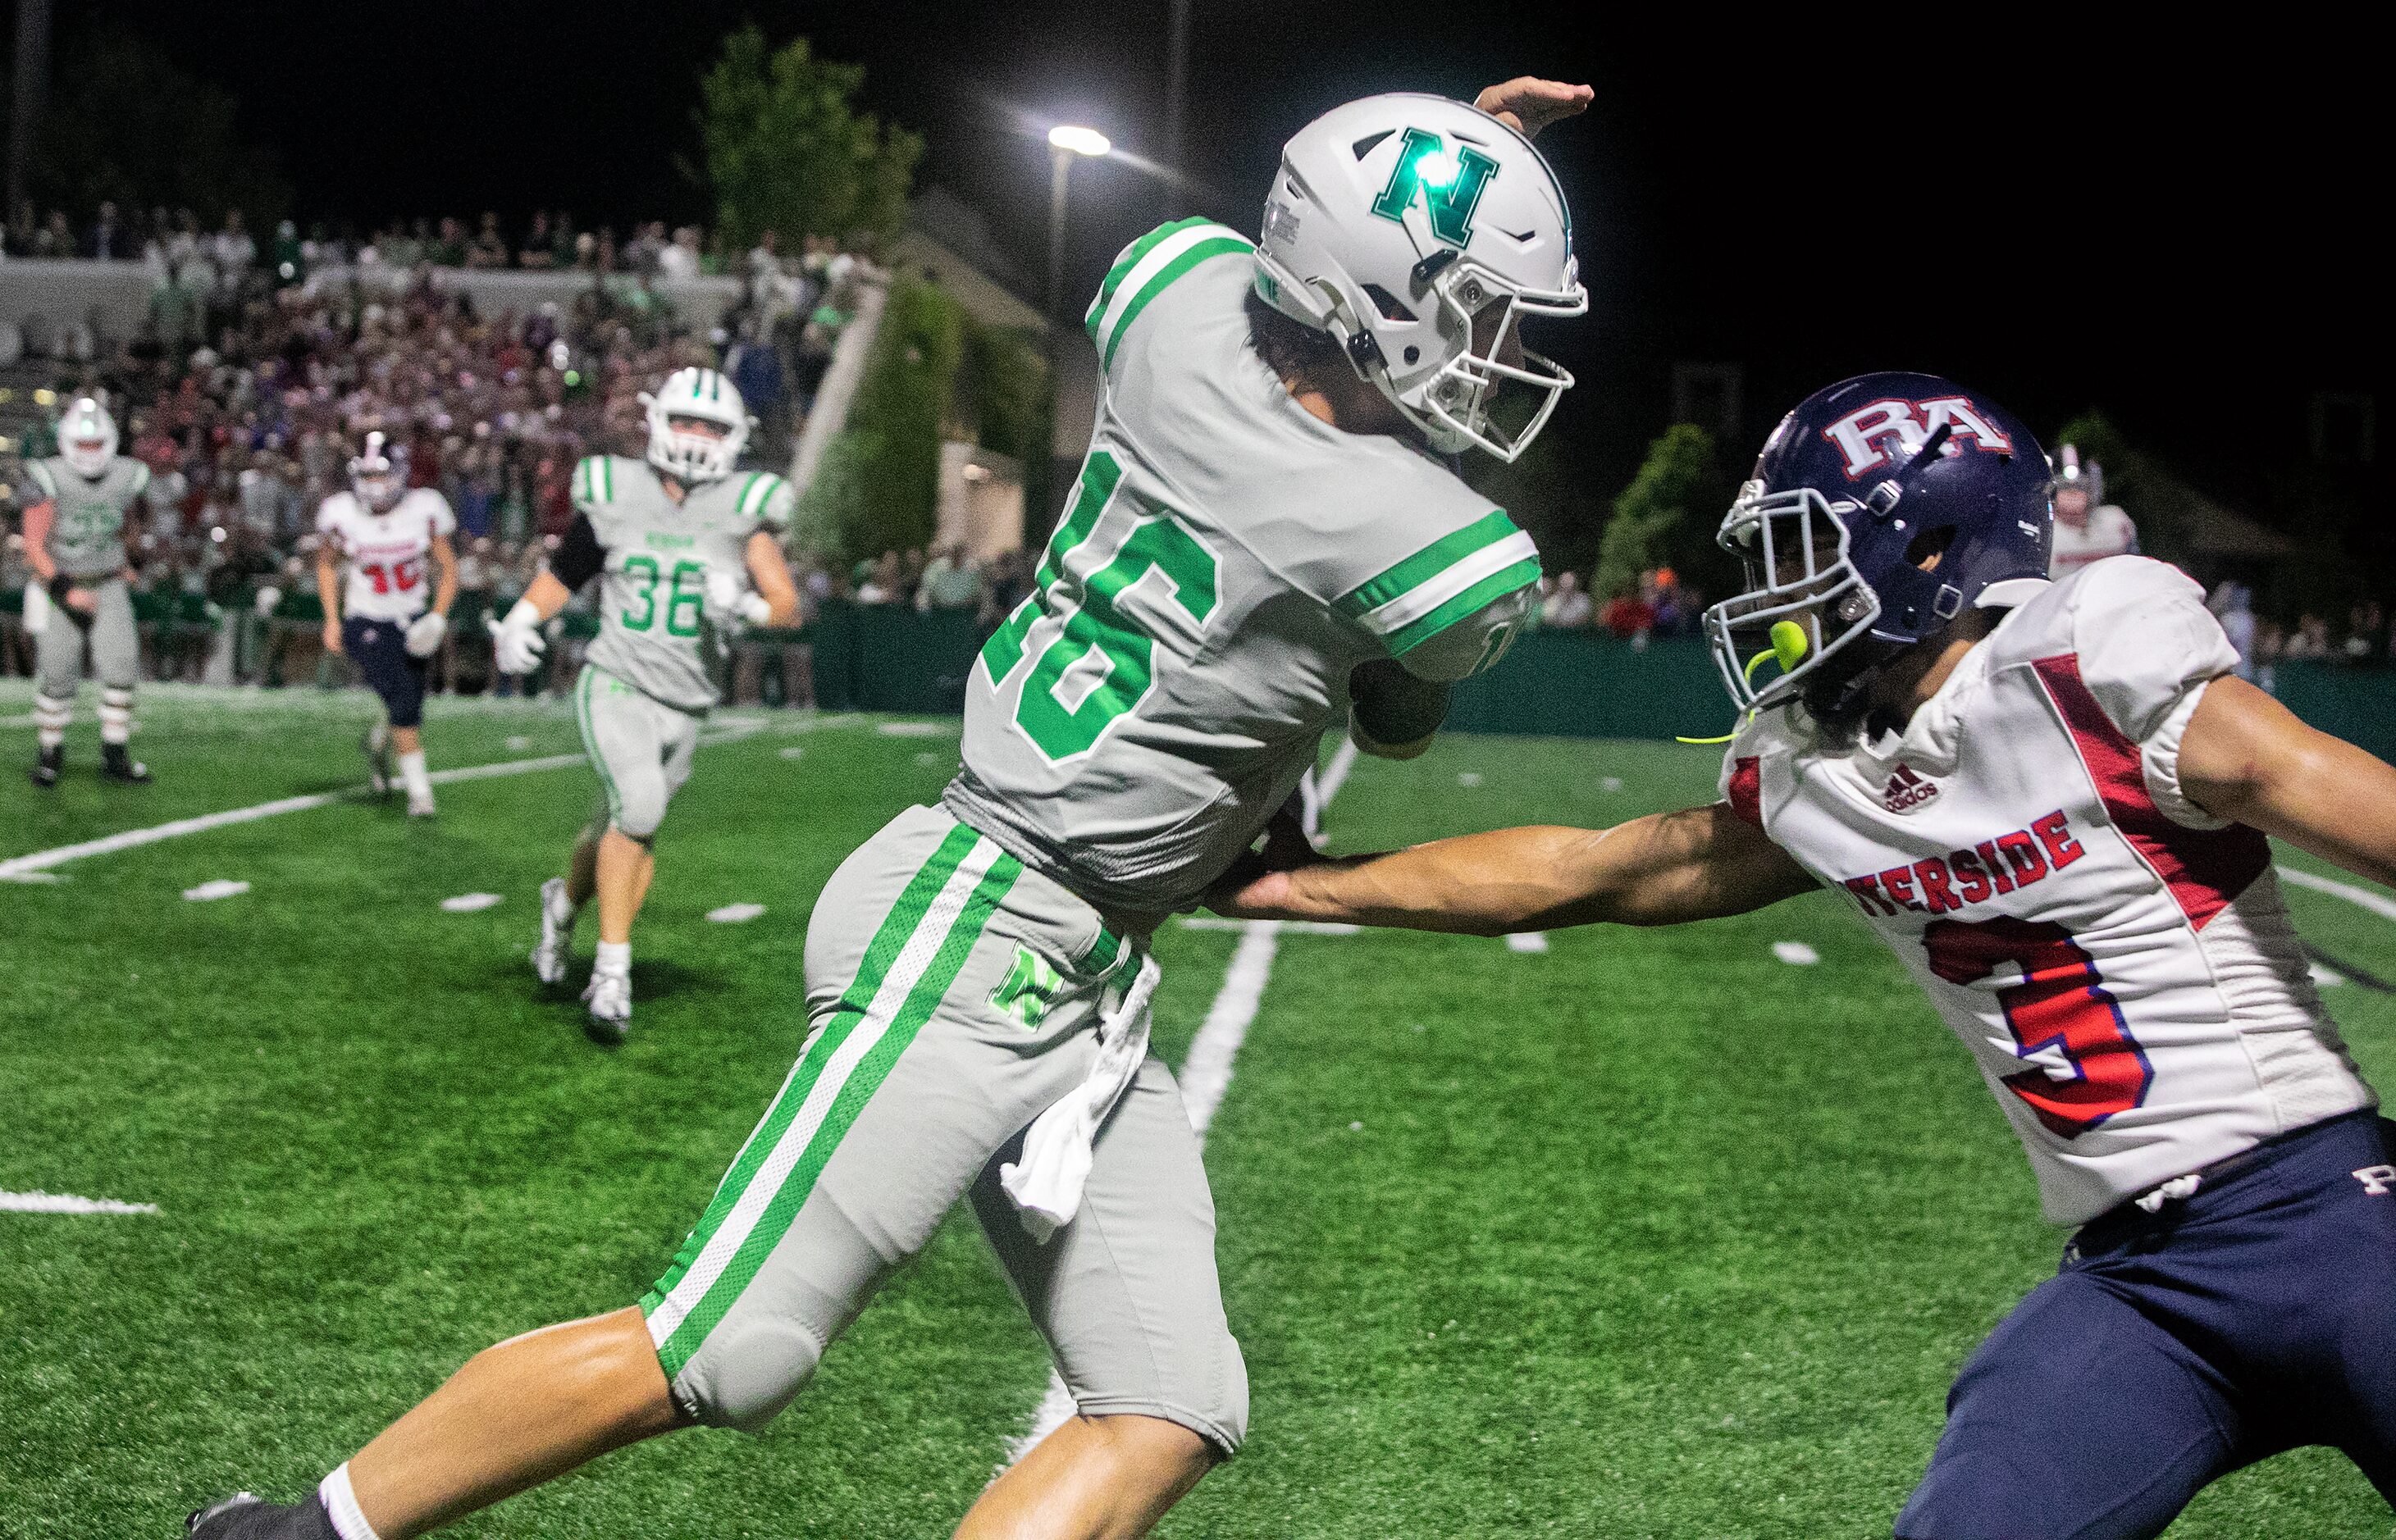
column 556, row 932
column 420, row 807
column 609, row 996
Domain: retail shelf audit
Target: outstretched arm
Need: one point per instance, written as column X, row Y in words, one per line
column 1697, row 864
column 1528, row 105
column 2245, row 756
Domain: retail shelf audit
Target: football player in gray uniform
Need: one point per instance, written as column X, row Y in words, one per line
column 84, row 500
column 683, row 546
column 1263, row 542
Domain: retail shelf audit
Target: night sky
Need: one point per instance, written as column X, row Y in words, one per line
column 2164, row 221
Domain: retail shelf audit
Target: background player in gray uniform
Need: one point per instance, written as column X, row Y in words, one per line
column 75, row 528
column 679, row 540
column 1258, row 542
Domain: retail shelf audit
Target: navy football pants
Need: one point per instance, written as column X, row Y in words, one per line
column 379, row 649
column 2257, row 1315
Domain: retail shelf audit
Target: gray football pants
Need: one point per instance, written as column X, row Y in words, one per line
column 114, row 645
column 954, row 996
column 641, row 748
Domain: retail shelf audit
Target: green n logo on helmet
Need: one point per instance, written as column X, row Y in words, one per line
column 1450, row 184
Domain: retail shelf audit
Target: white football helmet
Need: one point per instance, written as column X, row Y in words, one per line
column 1399, row 221
column 87, row 437
column 709, row 396
column 379, row 476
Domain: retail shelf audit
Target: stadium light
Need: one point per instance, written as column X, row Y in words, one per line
column 1081, row 141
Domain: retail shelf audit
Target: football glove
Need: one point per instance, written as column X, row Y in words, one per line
column 727, row 596
column 516, row 642
column 424, row 634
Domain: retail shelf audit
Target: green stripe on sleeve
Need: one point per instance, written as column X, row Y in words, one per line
column 140, row 478
column 1491, row 588
column 42, row 478
column 1130, row 260
column 1218, row 246
column 1427, row 563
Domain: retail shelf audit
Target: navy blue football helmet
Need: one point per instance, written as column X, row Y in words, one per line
column 1880, row 510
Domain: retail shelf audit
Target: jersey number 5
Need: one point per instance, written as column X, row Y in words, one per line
column 1098, row 662
column 2086, row 1065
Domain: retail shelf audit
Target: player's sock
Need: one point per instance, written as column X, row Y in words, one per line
column 50, row 717
column 116, row 716
column 412, row 776
column 341, row 1507
column 614, row 957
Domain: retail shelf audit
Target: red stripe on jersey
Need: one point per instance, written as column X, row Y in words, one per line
column 1747, row 789
column 2204, row 868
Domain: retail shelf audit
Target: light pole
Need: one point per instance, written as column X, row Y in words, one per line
column 1065, row 143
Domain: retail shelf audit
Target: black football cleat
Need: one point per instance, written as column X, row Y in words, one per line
column 45, row 769
column 117, row 764
column 243, row 1516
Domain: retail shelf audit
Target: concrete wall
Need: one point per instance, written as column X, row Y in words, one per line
column 114, row 297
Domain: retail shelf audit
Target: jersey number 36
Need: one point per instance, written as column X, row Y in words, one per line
column 1098, row 661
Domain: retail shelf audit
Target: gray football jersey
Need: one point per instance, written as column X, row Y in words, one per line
column 88, row 536
column 655, row 633
column 1226, row 560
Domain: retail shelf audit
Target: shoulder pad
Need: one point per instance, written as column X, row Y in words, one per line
column 1146, row 268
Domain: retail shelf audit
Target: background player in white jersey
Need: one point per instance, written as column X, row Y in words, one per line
column 680, row 539
column 1259, row 545
column 2087, row 528
column 384, row 530
column 81, row 503
column 2050, row 799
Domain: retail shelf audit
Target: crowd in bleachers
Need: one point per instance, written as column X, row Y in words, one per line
column 259, row 373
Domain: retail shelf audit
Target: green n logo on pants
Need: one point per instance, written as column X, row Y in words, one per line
column 1028, row 988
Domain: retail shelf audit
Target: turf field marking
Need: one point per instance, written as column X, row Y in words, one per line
column 1527, row 941
column 919, row 729
column 221, row 887
column 466, row 903
column 63, row 1203
column 1206, row 1069
column 795, row 751
column 1468, row 778
column 2377, row 903
column 1289, row 927
column 15, row 868
column 1797, row 954
column 733, row 914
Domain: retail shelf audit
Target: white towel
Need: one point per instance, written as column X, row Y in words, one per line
column 1046, row 1185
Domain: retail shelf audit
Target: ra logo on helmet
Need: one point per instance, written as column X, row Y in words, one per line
column 1448, row 181
column 1890, row 431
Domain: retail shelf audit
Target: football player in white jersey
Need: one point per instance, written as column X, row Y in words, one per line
column 2051, row 800
column 384, row 531
column 2087, row 528
column 1262, row 542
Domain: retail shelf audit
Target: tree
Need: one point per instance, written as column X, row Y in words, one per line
column 785, row 149
column 879, row 488
column 1667, row 516
column 125, row 124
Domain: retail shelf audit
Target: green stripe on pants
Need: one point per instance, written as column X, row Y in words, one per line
column 582, row 688
column 913, row 959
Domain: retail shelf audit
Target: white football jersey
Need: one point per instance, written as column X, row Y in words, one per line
column 2109, row 533
column 2119, row 962
column 386, row 552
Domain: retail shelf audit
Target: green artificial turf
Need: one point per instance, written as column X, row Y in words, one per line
column 1649, row 1234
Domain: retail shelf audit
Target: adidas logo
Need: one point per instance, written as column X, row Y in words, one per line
column 1907, row 790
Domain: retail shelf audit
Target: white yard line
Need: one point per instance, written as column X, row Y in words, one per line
column 2377, row 903
column 1206, row 1072
column 62, row 1202
column 18, row 867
